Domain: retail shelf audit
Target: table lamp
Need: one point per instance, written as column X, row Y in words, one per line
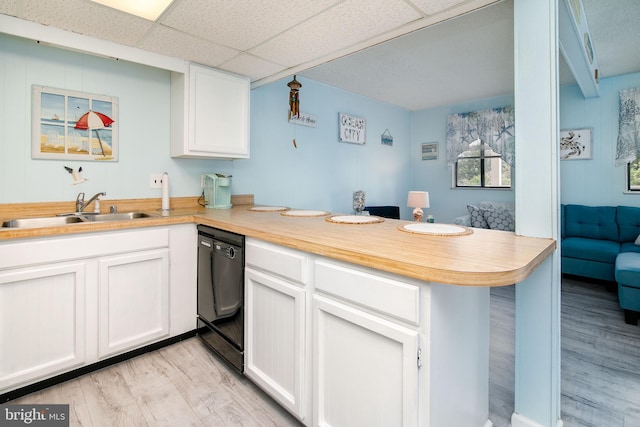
column 418, row 200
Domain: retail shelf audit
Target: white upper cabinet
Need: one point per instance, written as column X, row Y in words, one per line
column 209, row 114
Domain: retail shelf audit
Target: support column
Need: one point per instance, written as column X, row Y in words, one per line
column 537, row 371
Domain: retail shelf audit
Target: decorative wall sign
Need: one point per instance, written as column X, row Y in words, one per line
column 352, row 129
column 73, row 125
column 430, row 151
column 304, row 119
column 386, row 138
column 575, row 144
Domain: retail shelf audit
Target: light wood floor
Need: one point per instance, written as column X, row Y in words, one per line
column 179, row 385
column 600, row 358
column 185, row 385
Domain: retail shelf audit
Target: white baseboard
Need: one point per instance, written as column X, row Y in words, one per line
column 518, row 420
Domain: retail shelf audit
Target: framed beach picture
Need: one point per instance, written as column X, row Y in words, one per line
column 576, row 144
column 73, row 125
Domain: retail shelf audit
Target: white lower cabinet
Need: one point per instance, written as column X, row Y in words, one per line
column 365, row 368
column 42, row 321
column 275, row 337
column 133, row 292
column 335, row 344
column 66, row 302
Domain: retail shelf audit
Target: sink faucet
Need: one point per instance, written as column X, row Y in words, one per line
column 80, row 203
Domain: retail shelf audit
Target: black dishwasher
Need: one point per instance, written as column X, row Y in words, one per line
column 221, row 293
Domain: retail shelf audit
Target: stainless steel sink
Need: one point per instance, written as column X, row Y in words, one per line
column 41, row 222
column 64, row 219
column 120, row 216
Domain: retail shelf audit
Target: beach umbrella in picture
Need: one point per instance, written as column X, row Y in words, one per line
column 94, row 121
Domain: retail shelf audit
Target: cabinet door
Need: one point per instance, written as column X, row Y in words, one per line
column 42, row 318
column 219, row 113
column 365, row 369
column 134, row 300
column 275, row 338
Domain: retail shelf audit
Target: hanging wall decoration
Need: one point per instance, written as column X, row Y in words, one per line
column 575, row 144
column 352, row 129
column 73, row 125
column 386, row 138
column 294, row 98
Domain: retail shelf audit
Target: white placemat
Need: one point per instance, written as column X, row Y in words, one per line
column 304, row 213
column 355, row 219
column 268, row 208
column 436, row 229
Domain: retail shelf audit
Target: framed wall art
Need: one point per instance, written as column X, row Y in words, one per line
column 430, row 151
column 72, row 125
column 352, row 129
column 576, row 144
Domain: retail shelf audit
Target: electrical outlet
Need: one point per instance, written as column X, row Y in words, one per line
column 156, row 180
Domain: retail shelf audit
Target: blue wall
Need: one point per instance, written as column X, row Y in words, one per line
column 144, row 100
column 322, row 173
column 435, row 176
column 596, row 181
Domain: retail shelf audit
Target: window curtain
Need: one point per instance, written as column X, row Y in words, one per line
column 494, row 127
column 628, row 144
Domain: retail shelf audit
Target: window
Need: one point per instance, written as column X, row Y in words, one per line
column 482, row 167
column 633, row 176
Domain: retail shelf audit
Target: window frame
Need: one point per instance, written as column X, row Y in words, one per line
column 482, row 157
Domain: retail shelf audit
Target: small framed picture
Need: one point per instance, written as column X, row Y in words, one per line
column 576, row 144
column 430, row 151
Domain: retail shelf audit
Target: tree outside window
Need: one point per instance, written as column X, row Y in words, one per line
column 482, row 167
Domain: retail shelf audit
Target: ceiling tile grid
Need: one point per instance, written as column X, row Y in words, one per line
column 339, row 27
column 251, row 66
column 240, row 24
column 431, row 7
column 85, row 17
column 170, row 42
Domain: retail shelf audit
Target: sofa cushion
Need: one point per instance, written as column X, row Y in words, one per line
column 590, row 249
column 628, row 218
column 628, row 269
column 629, row 247
column 476, row 217
column 591, row 222
column 499, row 219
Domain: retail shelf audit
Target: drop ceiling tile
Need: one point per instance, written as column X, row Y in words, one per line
column 251, row 66
column 170, row 42
column 87, row 18
column 8, row 7
column 431, row 7
column 339, row 27
column 240, row 24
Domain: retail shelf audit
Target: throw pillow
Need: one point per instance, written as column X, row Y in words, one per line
column 499, row 219
column 477, row 218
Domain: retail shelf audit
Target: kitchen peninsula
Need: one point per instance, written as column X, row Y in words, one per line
column 349, row 323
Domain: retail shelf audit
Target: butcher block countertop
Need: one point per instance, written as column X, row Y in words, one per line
column 481, row 258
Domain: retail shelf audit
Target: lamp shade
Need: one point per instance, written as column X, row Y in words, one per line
column 418, row 199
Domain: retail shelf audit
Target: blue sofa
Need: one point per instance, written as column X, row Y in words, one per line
column 592, row 239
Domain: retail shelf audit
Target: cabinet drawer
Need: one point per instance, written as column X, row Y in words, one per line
column 277, row 260
column 379, row 293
